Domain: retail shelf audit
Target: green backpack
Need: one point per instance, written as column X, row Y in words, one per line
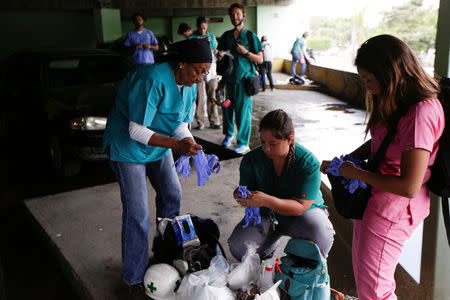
column 304, row 272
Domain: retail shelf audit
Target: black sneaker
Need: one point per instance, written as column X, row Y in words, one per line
column 216, row 126
column 200, row 127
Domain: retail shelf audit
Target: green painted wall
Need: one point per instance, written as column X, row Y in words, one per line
column 159, row 26
column 215, row 28
column 110, row 24
column 55, row 29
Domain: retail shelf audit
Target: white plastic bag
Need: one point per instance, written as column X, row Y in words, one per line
column 243, row 274
column 209, row 284
column 270, row 294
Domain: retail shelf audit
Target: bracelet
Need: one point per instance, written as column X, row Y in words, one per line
column 247, row 54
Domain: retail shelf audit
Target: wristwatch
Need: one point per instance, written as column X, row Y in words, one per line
column 247, row 54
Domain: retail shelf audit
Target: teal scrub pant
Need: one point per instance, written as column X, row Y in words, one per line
column 241, row 109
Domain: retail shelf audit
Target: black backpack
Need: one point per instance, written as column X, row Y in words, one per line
column 166, row 249
column 439, row 182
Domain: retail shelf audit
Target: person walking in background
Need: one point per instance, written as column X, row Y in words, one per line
column 153, row 107
column 299, row 54
column 399, row 93
column 284, row 180
column 185, row 30
column 209, row 85
column 142, row 40
column 266, row 66
column 238, row 43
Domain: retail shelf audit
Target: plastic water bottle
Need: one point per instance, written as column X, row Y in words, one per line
column 267, row 276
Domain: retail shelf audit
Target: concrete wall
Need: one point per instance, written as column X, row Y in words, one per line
column 158, row 25
column 344, row 85
column 33, row 29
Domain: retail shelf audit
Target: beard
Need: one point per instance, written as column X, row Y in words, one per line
column 237, row 22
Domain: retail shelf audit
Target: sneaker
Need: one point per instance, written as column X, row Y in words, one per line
column 227, row 141
column 242, row 149
column 200, row 127
column 216, row 126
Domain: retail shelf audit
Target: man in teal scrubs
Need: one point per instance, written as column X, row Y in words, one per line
column 153, row 107
column 237, row 43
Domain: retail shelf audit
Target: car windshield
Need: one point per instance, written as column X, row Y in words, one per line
column 75, row 71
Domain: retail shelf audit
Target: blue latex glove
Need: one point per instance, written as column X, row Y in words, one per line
column 212, row 160
column 204, row 164
column 243, row 191
column 357, row 163
column 183, row 167
column 349, row 184
column 251, row 213
column 335, row 164
column 202, row 168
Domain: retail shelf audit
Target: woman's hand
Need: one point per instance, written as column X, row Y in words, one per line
column 325, row 165
column 349, row 170
column 188, row 147
column 254, row 199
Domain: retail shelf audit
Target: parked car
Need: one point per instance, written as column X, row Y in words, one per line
column 56, row 104
column 119, row 47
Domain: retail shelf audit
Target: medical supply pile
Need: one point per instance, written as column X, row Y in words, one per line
column 191, row 267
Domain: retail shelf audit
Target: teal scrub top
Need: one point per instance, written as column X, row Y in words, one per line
column 148, row 96
column 298, row 45
column 242, row 66
column 209, row 36
column 302, row 179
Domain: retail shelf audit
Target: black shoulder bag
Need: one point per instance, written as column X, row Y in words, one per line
column 252, row 82
column 352, row 206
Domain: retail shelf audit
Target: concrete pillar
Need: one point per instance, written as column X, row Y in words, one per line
column 442, row 59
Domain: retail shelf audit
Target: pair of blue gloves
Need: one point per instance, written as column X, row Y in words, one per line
column 204, row 164
column 350, row 184
column 251, row 213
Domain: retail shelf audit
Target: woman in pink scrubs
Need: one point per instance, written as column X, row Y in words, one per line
column 397, row 88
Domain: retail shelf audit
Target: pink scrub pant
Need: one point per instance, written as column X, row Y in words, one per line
column 377, row 245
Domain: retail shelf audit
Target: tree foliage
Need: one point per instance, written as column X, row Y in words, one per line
column 413, row 23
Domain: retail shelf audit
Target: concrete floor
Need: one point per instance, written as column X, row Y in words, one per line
column 83, row 226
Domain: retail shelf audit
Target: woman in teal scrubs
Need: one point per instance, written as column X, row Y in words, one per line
column 284, row 180
column 153, row 107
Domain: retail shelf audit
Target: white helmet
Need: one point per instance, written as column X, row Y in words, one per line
column 161, row 281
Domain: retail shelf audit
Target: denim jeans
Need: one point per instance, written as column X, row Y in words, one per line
column 135, row 216
column 266, row 67
column 295, row 59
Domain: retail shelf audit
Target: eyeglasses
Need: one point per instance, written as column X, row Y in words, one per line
column 198, row 74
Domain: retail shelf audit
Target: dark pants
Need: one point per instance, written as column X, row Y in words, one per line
column 263, row 68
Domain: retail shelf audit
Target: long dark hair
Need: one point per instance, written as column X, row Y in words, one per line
column 401, row 77
column 282, row 127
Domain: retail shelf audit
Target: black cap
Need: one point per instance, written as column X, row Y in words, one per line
column 192, row 51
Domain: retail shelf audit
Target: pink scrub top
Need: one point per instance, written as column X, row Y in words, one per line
column 420, row 128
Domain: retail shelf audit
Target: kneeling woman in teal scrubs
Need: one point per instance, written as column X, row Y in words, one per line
column 150, row 117
column 284, row 180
